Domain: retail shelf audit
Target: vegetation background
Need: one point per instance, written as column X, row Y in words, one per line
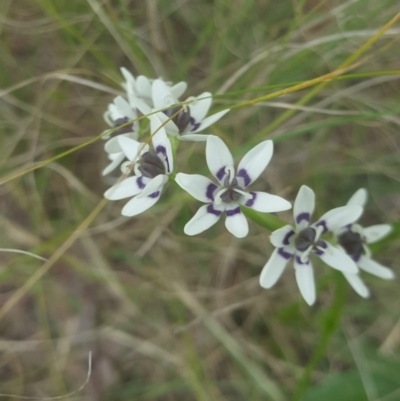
column 169, row 317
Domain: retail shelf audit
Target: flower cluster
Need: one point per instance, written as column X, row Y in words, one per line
column 147, row 170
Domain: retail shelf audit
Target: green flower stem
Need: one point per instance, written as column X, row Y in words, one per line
column 266, row 220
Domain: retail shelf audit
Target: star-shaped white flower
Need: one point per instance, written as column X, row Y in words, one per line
column 151, row 173
column 354, row 240
column 119, row 112
column 141, row 87
column 191, row 118
column 299, row 241
column 230, row 192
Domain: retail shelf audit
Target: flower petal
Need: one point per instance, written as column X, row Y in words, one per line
column 336, row 258
column 205, row 217
column 178, row 89
column 131, row 186
column 169, row 125
column 358, row 285
column 138, row 205
column 131, row 148
column 281, row 236
column 162, row 95
column 200, row 187
column 266, row 203
column 303, row 207
column 193, row 137
column 124, row 107
column 209, row 121
column 254, row 162
column 218, row 157
column 359, row 198
column 143, row 86
column 274, row 268
column 376, row 232
column 114, row 163
column 236, row 222
column 305, row 280
column 161, row 143
column 153, row 185
column 339, row 217
column 199, row 109
column 375, row 268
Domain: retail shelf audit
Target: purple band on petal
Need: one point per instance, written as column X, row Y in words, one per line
column 195, row 125
column 320, row 244
column 215, row 212
column 251, row 201
column 285, row 240
column 356, row 258
column 298, row 260
column 220, row 173
column 140, row 183
column 210, row 191
column 243, row 174
column 161, row 149
column 154, row 194
column 322, row 223
column 303, row 216
column 232, row 212
column 284, row 254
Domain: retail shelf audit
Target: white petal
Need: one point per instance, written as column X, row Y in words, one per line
column 169, row 125
column 359, row 198
column 199, row 109
column 125, row 108
column 339, row 217
column 205, row 217
column 162, row 95
column 138, row 205
column 336, row 258
column 305, row 281
column 178, row 89
column 254, row 162
column 210, row 120
column 358, row 285
column 198, row 186
column 143, row 86
column 161, row 143
column 376, row 232
column 303, row 207
column 193, row 137
column 129, row 78
column 280, row 237
column 154, row 185
column 235, row 221
column 114, row 164
column 375, row 268
column 218, row 157
column 131, row 148
column 273, row 269
column 266, row 203
column 140, row 104
column 131, row 186
column 112, row 145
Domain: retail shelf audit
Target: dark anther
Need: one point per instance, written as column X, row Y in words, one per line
column 123, row 130
column 305, row 239
column 352, row 244
column 151, row 165
column 231, row 195
column 182, row 119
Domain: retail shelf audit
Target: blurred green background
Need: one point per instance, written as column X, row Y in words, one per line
column 170, row 317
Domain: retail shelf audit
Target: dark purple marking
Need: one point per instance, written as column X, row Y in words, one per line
column 356, row 258
column 320, row 244
column 195, row 125
column 251, row 201
column 220, row 173
column 285, row 240
column 284, row 254
column 215, row 212
column 140, row 183
column 154, row 194
column 303, row 216
column 298, row 260
column 232, row 212
column 243, row 174
column 210, row 191
column 322, row 223
column 161, row 149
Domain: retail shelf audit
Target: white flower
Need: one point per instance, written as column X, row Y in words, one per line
column 141, row 87
column 119, row 112
column 354, row 240
column 189, row 121
column 229, row 193
column 151, row 173
column 298, row 242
